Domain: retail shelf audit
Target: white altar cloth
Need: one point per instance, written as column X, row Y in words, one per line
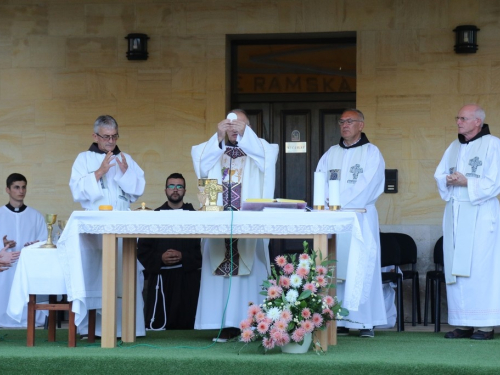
column 80, row 245
column 38, row 272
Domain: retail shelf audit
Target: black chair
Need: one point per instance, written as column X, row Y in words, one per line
column 433, row 282
column 390, row 256
column 409, row 257
column 406, row 250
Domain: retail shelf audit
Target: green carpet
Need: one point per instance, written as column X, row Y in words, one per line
column 192, row 352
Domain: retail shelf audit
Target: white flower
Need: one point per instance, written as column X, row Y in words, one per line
column 274, row 313
column 305, row 263
column 292, row 295
column 295, row 281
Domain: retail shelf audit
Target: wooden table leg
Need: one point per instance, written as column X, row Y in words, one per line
column 109, row 260
column 30, row 334
column 320, row 242
column 52, row 319
column 129, row 289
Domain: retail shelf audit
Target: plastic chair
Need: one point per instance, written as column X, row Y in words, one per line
column 390, row 256
column 433, row 282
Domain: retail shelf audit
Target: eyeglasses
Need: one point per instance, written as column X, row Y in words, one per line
column 463, row 119
column 178, row 187
column 113, row 137
column 349, row 121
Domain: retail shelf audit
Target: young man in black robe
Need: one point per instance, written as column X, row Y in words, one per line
column 174, row 268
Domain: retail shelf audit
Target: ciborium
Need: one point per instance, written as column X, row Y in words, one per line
column 50, row 219
column 208, row 192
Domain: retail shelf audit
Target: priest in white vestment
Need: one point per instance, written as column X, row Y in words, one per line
column 468, row 180
column 104, row 175
column 21, row 226
column 245, row 165
column 362, row 176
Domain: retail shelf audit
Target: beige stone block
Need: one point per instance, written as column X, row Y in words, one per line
column 373, row 15
column 425, row 142
column 6, row 52
column 17, row 115
column 422, row 208
column 70, row 84
column 424, row 14
column 211, row 18
column 217, row 76
column 290, row 17
column 422, row 79
column 406, row 110
column 187, row 114
column 388, row 140
column 397, row 46
column 154, row 84
column 183, row 51
column 85, row 112
column 109, row 19
column 389, row 209
column 436, row 45
column 138, row 113
column 21, row 53
column 112, row 83
column 46, row 51
column 162, row 19
column 11, row 147
column 25, row 84
column 473, row 78
column 49, row 114
column 189, row 82
column 91, row 52
column 257, row 15
column 494, row 87
column 66, row 19
column 21, row 20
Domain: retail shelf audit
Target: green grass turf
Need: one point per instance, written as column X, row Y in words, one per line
column 192, row 352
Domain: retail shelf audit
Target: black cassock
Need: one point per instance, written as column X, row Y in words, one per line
column 172, row 293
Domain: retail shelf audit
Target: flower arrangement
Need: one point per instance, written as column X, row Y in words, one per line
column 296, row 302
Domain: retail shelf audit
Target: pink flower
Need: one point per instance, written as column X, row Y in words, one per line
column 307, row 325
column 321, row 280
column 302, row 272
column 317, row 319
column 298, row 334
column 286, row 315
column 247, row 335
column 304, row 256
column 306, row 313
column 262, row 327
column 284, row 282
column 281, row 325
column 288, row 269
column 283, row 339
column 274, row 292
column 268, row 343
column 245, row 324
column 328, row 300
column 311, row 287
column 321, row 270
column 253, row 309
column 280, row 261
column 275, row 333
column 273, row 282
column 261, row 315
column 328, row 312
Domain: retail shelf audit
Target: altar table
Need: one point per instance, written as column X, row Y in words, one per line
column 91, row 284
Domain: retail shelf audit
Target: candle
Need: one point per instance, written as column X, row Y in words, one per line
column 319, row 189
column 334, row 192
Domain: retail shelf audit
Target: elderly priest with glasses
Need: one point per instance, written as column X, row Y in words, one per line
column 103, row 175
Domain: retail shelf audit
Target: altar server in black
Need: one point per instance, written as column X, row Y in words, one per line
column 174, row 268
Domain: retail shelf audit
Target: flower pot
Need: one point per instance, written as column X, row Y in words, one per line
column 294, row 348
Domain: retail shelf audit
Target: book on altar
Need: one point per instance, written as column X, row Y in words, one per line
column 261, row 204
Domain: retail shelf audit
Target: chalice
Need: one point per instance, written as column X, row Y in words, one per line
column 50, row 219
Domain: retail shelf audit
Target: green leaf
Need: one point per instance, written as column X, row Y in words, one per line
column 304, row 295
column 264, row 293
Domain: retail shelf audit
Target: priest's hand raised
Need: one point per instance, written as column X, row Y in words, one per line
column 231, row 128
column 106, row 164
column 171, row 256
column 8, row 257
column 122, row 163
column 8, row 243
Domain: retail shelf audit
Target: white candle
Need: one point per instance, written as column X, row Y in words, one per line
column 319, row 189
column 334, row 192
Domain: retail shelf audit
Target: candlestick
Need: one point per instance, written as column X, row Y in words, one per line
column 319, row 191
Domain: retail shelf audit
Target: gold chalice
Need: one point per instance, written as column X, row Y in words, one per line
column 50, row 219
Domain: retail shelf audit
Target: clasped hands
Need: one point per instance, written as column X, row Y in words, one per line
column 456, row 179
column 171, row 256
column 234, row 128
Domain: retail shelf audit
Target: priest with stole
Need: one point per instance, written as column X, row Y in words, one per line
column 245, row 166
column 362, row 176
column 468, row 180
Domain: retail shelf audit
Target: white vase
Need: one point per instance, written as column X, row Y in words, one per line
column 295, row 348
